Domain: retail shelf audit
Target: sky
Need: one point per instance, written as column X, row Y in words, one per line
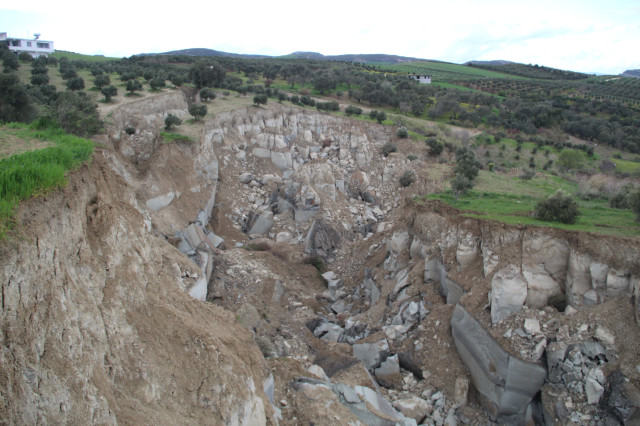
column 586, row 36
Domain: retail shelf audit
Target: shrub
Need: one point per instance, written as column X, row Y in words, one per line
column 198, row 111
column 634, row 203
column 76, row 113
column 353, row 110
column 129, row 130
column 171, row 121
column 207, row 94
column 388, row 148
column 25, row 57
column 407, row 178
column 559, row 207
column 316, row 262
column 460, row 185
column 260, row 99
column 435, row 147
column 75, row 83
column 402, row 132
column 412, row 157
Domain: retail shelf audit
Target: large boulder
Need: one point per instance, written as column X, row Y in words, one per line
column 508, row 293
column 506, row 383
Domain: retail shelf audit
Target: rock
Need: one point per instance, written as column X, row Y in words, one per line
column 261, row 225
column 317, row 371
column 570, row 311
column 283, row 237
column 321, row 239
column 245, row 178
column 159, row 203
column 604, row 336
column 388, row 367
column 623, row 399
column 460, row 392
column 215, row 240
column 377, row 405
column 371, row 354
column 278, row 291
column 531, row 326
column 508, row 293
column 329, row 331
column 414, row 407
column 371, row 291
column 507, row 384
column 594, row 385
column 399, row 242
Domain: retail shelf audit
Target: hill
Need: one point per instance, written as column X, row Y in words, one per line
column 370, row 58
column 200, row 51
column 631, row 73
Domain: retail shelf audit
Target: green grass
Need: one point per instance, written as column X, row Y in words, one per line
column 172, row 137
column 34, row 172
column 626, row 166
column 512, row 200
column 81, row 57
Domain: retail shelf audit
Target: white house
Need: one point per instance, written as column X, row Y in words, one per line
column 422, row 79
column 35, row 47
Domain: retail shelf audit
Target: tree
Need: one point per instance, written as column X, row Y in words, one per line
column 352, row 110
column 15, row 104
column 435, row 147
column 39, row 79
column 69, row 73
column 109, row 92
column 466, row 163
column 206, row 74
column 10, row 62
column 170, row 121
column 634, row 203
column 156, row 83
column 324, row 83
column 260, row 99
column 570, row 160
column 207, row 94
column 76, row 113
column 133, row 86
column 198, row 111
column 101, row 81
column 25, row 57
column 76, row 83
column 460, row 185
column 559, row 207
column 381, row 116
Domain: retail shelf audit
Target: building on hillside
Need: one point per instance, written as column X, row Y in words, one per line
column 34, row 47
column 422, row 79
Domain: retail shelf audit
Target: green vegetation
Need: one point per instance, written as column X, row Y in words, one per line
column 198, row 111
column 170, row 121
column 559, row 207
column 58, row 54
column 407, row 178
column 34, row 172
column 173, row 137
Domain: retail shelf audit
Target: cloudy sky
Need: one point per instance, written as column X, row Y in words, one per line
column 581, row 35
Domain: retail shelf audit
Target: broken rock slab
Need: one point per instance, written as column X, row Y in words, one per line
column 159, row 203
column 371, row 354
column 506, row 383
column 508, row 293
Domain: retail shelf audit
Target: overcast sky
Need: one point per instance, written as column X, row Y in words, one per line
column 582, row 35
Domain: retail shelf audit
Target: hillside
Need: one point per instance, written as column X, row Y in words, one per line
column 207, row 253
column 297, row 241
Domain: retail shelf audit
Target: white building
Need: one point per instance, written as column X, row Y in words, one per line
column 34, row 47
column 422, row 79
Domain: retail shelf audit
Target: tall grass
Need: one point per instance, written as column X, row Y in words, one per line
column 34, row 172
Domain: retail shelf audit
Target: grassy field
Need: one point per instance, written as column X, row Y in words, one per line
column 37, row 171
column 512, row 200
column 80, row 57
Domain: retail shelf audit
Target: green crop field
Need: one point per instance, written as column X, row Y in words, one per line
column 80, row 57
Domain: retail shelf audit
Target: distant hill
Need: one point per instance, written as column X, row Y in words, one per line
column 199, row 51
column 631, row 73
column 489, row 63
column 375, row 57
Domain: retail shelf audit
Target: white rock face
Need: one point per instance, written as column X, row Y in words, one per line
column 467, row 251
column 541, row 285
column 508, row 293
column 398, row 242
